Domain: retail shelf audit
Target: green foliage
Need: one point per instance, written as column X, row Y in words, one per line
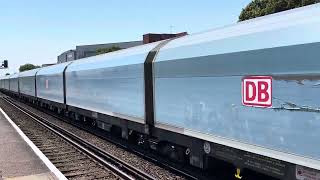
column 27, row 67
column 107, row 50
column 7, row 74
column 259, row 8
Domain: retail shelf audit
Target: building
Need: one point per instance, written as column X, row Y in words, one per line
column 69, row 55
column 91, row 50
column 84, row 51
column 152, row 37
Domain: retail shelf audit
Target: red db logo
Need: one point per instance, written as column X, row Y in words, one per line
column 257, row 91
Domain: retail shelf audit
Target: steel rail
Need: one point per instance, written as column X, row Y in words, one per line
column 118, row 166
column 158, row 162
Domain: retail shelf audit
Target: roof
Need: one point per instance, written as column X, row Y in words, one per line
column 293, row 27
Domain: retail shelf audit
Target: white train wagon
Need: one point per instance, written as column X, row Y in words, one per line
column 50, row 85
column 110, row 84
column 200, row 85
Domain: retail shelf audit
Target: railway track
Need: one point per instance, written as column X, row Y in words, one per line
column 176, row 169
column 73, row 156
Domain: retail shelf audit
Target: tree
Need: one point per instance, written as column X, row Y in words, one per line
column 259, row 8
column 27, row 67
column 107, row 50
column 7, row 74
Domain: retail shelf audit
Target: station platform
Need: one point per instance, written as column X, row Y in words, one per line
column 19, row 158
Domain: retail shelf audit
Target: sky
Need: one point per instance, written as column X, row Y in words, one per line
column 37, row 31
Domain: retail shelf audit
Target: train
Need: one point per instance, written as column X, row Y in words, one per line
column 244, row 94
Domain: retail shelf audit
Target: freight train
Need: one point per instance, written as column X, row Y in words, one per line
column 245, row 94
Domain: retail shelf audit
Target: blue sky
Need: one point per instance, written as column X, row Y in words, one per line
column 36, row 31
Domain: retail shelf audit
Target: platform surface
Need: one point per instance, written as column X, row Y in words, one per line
column 17, row 159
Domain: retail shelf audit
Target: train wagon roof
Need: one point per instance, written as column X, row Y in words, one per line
column 7, row 77
column 54, row 69
column 133, row 55
column 15, row 75
column 276, row 30
column 29, row 73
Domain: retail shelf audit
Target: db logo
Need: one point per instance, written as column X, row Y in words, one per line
column 257, row 91
column 47, row 83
